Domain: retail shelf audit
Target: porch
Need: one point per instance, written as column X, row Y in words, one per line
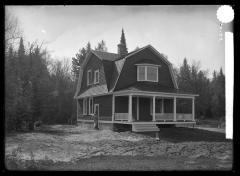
column 152, row 108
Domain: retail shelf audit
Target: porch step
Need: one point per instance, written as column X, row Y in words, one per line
column 144, row 127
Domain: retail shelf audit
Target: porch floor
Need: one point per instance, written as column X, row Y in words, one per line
column 156, row 122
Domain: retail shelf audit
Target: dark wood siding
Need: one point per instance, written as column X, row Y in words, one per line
column 168, row 105
column 94, row 63
column 105, row 106
column 80, row 106
column 128, row 76
column 121, row 104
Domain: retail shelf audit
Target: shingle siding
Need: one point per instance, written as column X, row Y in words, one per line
column 94, row 63
column 105, row 106
column 128, row 76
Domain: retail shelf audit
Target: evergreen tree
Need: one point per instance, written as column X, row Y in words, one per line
column 218, row 94
column 21, row 49
column 123, row 41
column 88, row 47
column 77, row 61
column 184, row 77
column 101, row 46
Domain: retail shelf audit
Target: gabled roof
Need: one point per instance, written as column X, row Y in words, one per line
column 113, row 64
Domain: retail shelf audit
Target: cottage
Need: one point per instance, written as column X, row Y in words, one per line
column 137, row 90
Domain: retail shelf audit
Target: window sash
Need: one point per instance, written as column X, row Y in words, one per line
column 96, row 77
column 90, row 106
column 146, row 71
column 89, row 76
column 84, row 106
column 152, row 74
column 141, row 76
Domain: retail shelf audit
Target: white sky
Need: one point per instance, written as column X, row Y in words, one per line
column 176, row 31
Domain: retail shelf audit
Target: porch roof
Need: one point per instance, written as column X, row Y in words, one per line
column 138, row 86
column 161, row 91
column 96, row 90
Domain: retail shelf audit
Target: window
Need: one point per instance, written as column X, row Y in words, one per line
column 89, row 77
column 147, row 73
column 152, row 74
column 96, row 76
column 96, row 109
column 84, row 106
column 90, row 105
column 141, row 73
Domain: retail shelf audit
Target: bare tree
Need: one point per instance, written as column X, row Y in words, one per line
column 12, row 29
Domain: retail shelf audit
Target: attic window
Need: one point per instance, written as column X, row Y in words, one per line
column 147, row 73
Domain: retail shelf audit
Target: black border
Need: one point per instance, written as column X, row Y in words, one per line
column 236, row 25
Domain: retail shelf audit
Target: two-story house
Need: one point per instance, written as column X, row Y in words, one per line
column 136, row 89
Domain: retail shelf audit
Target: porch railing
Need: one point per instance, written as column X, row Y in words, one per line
column 164, row 116
column 121, row 116
column 181, row 116
column 170, row 116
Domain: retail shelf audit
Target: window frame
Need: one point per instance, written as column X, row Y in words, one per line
column 90, row 108
column 96, row 105
column 95, row 81
column 145, row 72
column 89, row 77
column 85, row 106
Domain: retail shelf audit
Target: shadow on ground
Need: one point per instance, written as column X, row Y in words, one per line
column 181, row 134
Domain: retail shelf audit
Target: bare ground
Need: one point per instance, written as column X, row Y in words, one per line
column 65, row 147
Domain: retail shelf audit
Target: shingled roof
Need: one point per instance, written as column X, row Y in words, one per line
column 105, row 55
column 113, row 64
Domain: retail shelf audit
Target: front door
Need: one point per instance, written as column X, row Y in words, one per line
column 144, row 109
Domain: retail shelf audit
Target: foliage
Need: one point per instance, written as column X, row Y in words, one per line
column 32, row 82
column 211, row 99
column 101, row 46
column 12, row 29
column 79, row 58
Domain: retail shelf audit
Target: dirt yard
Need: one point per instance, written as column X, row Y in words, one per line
column 65, row 147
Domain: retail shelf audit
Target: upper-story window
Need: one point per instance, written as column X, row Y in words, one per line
column 147, row 72
column 96, row 76
column 89, row 77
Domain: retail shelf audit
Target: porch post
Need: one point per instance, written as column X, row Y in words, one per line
column 153, row 103
column 174, row 110
column 77, row 108
column 162, row 105
column 193, row 108
column 113, row 107
column 130, row 108
column 137, row 108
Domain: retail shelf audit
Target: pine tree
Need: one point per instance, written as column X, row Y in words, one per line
column 123, row 41
column 218, row 94
column 101, row 46
column 21, row 49
column 88, row 47
column 78, row 61
column 184, row 78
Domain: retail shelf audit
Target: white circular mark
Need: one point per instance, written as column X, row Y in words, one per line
column 225, row 14
column 43, row 31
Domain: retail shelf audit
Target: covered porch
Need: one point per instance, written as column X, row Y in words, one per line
column 153, row 108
